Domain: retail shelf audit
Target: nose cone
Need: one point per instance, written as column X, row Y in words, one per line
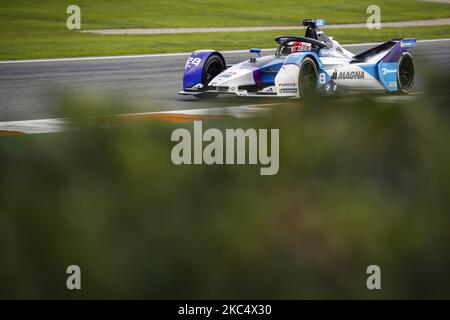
column 230, row 77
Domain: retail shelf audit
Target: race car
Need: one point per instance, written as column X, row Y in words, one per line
column 303, row 67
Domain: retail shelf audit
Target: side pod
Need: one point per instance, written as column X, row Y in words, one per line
column 286, row 80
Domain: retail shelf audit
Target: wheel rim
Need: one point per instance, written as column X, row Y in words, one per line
column 406, row 73
column 308, row 79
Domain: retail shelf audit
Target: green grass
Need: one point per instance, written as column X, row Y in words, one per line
column 196, row 13
column 35, row 29
column 76, row 45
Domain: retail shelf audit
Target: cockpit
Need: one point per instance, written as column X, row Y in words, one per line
column 314, row 40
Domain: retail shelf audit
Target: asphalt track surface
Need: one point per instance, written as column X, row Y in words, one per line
column 33, row 90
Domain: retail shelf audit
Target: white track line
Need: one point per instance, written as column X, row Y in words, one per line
column 147, row 31
column 162, row 55
column 137, row 56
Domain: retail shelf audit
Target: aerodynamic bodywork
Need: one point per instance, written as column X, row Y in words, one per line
column 302, row 67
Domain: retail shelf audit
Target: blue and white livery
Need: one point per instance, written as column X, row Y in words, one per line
column 303, row 67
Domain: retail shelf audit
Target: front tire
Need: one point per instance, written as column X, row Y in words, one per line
column 214, row 65
column 307, row 79
column 405, row 73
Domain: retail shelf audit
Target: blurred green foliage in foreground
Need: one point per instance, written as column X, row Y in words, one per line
column 360, row 183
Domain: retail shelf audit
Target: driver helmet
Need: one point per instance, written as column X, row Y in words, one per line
column 298, row 46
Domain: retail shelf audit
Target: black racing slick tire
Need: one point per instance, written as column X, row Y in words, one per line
column 214, row 65
column 405, row 73
column 307, row 79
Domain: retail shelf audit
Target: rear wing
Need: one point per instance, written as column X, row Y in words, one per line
column 383, row 61
column 393, row 48
column 407, row 42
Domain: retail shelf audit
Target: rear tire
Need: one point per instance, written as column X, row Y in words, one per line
column 307, row 79
column 214, row 65
column 405, row 73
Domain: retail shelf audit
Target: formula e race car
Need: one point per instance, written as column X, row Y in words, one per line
column 303, row 67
